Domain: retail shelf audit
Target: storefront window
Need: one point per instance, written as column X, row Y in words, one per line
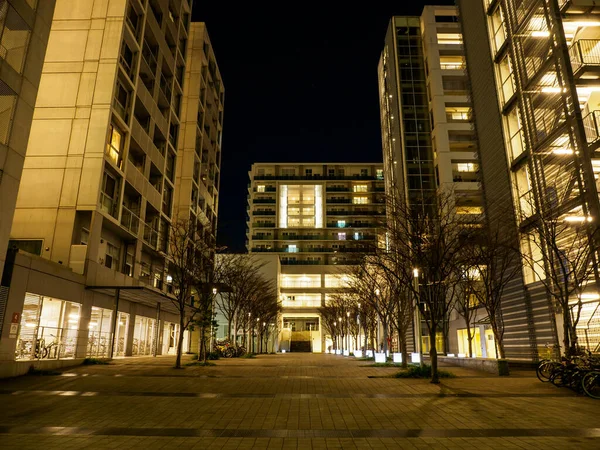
column 170, row 336
column 49, row 328
column 121, row 334
column 99, row 334
column 143, row 336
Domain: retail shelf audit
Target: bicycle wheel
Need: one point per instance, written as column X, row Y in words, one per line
column 544, row 370
column 557, row 378
column 591, row 384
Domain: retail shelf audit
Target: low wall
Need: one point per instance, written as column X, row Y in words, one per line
column 490, row 365
column 17, row 368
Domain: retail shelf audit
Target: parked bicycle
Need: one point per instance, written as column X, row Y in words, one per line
column 580, row 372
column 227, row 349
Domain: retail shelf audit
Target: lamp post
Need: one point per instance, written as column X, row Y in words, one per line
column 342, row 337
column 417, row 326
column 335, row 337
column 348, row 331
column 377, row 332
column 249, row 328
column 212, row 317
column 255, row 346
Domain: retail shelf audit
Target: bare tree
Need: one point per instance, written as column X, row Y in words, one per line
column 190, row 262
column 241, row 274
column 426, row 237
column 567, row 242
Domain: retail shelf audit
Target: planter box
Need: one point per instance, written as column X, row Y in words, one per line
column 346, row 352
column 369, row 353
column 380, row 358
column 415, row 358
column 397, row 357
column 358, row 353
column 490, row 365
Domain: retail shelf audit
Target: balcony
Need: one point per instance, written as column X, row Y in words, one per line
column 590, row 123
column 264, row 200
column 130, row 220
column 306, row 303
column 315, row 177
column 585, row 56
column 150, row 235
column 337, row 189
column 339, row 200
column 149, row 59
column 107, row 204
column 263, row 225
column 263, row 213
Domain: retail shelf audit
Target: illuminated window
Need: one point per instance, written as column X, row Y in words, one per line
column 452, row 62
column 449, row 38
column 469, row 210
column 341, row 236
column 360, row 188
column 260, row 188
column 337, row 281
column 292, row 248
column 360, row 200
column 341, row 223
column 358, row 236
column 379, row 174
column 467, row 167
column 300, row 281
column 115, row 145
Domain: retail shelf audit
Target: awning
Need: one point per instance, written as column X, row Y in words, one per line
column 138, row 294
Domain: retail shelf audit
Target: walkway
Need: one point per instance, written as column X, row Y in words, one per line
column 289, row 401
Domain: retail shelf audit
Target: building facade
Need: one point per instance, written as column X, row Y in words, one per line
column 534, row 68
column 100, row 180
column 428, row 138
column 317, row 217
column 24, row 30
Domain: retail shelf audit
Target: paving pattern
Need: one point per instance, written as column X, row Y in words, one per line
column 289, row 401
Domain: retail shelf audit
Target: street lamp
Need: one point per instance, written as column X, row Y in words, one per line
column 378, row 332
column 212, row 317
column 348, row 332
column 342, row 337
column 335, row 345
column 417, row 326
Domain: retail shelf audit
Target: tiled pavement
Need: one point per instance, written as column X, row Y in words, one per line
column 290, row 401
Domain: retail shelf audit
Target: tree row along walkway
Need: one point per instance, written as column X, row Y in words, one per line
column 299, row 401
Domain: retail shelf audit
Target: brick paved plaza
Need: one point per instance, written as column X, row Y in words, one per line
column 289, row 401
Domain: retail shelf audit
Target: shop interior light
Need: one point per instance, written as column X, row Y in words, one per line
column 93, row 324
column 589, row 296
column 577, row 219
column 72, row 321
column 552, row 89
column 562, row 151
column 30, row 325
column 540, row 34
column 73, row 316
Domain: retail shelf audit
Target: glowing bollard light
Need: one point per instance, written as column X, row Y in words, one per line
column 415, row 358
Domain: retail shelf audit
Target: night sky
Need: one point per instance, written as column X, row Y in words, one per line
column 300, row 86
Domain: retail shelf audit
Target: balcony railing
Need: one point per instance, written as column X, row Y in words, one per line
column 130, row 220
column 150, row 235
column 307, row 303
column 107, row 204
column 149, row 57
column 263, row 213
column 590, row 123
column 585, row 52
column 316, row 177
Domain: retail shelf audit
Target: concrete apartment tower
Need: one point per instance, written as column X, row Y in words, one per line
column 24, row 29
column 199, row 171
column 534, row 70
column 428, row 137
column 113, row 137
column 315, row 216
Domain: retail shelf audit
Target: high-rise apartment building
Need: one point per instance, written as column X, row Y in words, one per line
column 24, row 29
column 116, row 151
column 534, row 69
column 429, row 142
column 199, row 153
column 316, row 217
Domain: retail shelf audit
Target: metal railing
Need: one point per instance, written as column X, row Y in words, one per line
column 590, row 124
column 585, row 52
column 98, row 345
column 149, row 57
column 130, row 220
column 150, row 235
column 301, row 303
column 47, row 343
column 107, row 204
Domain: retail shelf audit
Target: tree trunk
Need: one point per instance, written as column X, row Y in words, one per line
column 366, row 338
column 499, row 340
column 403, row 348
column 469, row 337
column 180, row 341
column 567, row 332
column 385, row 338
column 433, row 356
column 229, row 329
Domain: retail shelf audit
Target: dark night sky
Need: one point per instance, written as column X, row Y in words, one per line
column 300, row 86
